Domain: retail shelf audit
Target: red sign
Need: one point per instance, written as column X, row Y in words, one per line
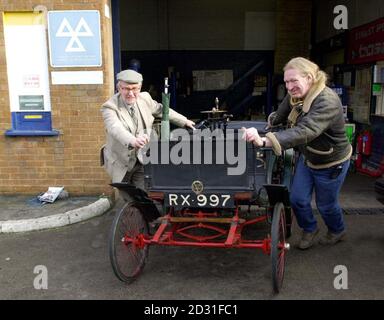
column 366, row 43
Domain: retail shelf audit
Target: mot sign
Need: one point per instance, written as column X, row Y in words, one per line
column 74, row 38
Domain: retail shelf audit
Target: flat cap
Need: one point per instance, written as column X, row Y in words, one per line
column 130, row 76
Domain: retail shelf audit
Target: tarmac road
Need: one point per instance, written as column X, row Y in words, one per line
column 77, row 262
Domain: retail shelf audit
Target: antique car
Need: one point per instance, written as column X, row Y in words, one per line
column 196, row 202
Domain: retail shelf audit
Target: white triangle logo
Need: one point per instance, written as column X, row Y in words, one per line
column 82, row 30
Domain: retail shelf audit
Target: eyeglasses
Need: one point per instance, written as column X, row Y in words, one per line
column 127, row 89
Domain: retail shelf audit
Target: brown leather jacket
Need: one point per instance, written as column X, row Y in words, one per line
column 316, row 129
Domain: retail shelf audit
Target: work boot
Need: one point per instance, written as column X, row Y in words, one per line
column 307, row 239
column 332, row 238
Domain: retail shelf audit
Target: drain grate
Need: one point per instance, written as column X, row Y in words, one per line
column 363, row 211
column 360, row 211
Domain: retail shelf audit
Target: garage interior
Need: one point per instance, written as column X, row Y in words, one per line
column 216, row 54
column 186, row 40
column 236, row 52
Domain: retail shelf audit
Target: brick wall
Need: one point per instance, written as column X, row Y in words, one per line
column 293, row 31
column 30, row 164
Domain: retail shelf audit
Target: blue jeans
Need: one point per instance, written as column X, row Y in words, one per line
column 326, row 187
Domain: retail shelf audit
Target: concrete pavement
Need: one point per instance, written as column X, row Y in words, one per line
column 78, row 266
column 76, row 258
column 20, row 213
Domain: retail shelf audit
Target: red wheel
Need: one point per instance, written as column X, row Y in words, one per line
column 127, row 252
column 278, row 246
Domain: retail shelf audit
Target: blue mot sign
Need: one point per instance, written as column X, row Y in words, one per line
column 74, row 38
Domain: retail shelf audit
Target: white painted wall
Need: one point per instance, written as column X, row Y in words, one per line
column 260, row 31
column 190, row 24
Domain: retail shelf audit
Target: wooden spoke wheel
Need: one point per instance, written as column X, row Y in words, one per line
column 278, row 246
column 127, row 251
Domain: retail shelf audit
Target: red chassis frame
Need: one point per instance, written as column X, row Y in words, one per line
column 171, row 226
column 130, row 236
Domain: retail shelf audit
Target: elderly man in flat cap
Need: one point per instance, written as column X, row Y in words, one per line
column 127, row 115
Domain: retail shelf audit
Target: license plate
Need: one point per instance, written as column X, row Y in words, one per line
column 191, row 200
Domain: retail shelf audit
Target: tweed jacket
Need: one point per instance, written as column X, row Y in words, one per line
column 315, row 128
column 118, row 154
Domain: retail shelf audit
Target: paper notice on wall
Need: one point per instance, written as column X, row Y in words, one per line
column 31, row 81
column 204, row 80
column 347, row 79
column 361, row 99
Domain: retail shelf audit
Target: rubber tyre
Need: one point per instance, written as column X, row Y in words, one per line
column 128, row 260
column 278, row 250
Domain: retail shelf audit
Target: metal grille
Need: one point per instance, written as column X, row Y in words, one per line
column 363, row 211
column 360, row 211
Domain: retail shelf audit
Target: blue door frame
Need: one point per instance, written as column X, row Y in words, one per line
column 116, row 36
